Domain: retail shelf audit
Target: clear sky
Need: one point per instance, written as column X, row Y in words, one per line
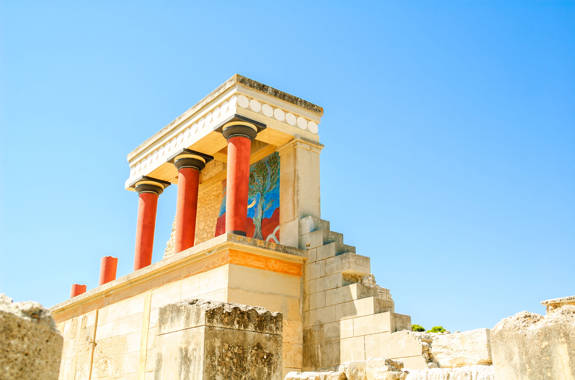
column 449, row 134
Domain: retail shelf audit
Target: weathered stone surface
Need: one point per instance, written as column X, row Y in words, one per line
column 214, row 340
column 530, row 346
column 556, row 303
column 373, row 369
column 30, row 345
column 411, row 348
column 329, row 375
column 478, row 372
column 461, row 349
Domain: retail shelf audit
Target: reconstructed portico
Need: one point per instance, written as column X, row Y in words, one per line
column 247, row 230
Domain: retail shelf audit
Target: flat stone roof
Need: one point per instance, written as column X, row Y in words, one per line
column 561, row 300
column 236, row 79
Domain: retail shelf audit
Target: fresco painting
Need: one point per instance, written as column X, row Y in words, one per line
column 263, row 201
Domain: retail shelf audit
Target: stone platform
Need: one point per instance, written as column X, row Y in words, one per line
column 112, row 331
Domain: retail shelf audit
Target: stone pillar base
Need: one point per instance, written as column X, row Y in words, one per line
column 215, row 340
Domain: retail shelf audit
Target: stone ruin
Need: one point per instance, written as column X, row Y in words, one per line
column 30, row 344
column 283, row 295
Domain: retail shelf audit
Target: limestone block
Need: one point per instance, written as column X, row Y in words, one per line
column 330, row 282
column 352, row 349
column 316, row 300
column 413, row 362
column 30, row 345
column 479, row 372
column 329, row 375
column 399, row 346
column 372, row 324
column 461, row 349
column 312, row 239
column 348, row 263
column 529, row 346
column 331, row 330
column 318, row 351
column 313, row 270
column 322, row 315
column 289, row 231
column 311, row 223
column 348, row 293
column 400, row 321
column 361, row 307
column 212, row 340
column 346, row 328
column 326, row 251
column 375, row 369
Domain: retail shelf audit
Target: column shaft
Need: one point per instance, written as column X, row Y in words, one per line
column 147, row 207
column 77, row 289
column 108, row 267
column 237, row 184
column 187, row 207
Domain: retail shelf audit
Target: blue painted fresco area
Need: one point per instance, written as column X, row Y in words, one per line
column 263, row 201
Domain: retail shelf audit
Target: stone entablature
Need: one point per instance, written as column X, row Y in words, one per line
column 284, row 116
column 555, row 303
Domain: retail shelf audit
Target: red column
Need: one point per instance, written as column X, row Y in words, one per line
column 77, row 289
column 147, row 207
column 238, row 175
column 189, row 166
column 108, row 267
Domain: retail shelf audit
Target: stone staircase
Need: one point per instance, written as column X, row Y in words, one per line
column 345, row 311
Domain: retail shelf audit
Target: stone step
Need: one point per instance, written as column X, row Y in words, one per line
column 351, row 309
column 352, row 266
column 347, row 262
column 309, row 224
column 331, row 236
column 348, row 293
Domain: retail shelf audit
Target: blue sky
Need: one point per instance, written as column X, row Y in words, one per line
column 449, row 134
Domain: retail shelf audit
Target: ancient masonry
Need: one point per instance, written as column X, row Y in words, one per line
column 253, row 284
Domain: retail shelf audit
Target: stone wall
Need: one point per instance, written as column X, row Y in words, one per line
column 347, row 316
column 529, row 346
column 213, row 340
column 30, row 345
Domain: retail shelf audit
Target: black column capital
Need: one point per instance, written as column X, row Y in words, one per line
column 239, row 125
column 150, row 185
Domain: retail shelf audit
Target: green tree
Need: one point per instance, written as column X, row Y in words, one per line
column 264, row 177
column 417, row 328
column 436, row 329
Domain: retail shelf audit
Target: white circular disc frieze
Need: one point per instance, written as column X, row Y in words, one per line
column 267, row 110
column 301, row 122
column 312, row 127
column 255, row 105
column 290, row 118
column 243, row 101
column 279, row 114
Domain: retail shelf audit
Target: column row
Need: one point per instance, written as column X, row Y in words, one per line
column 189, row 164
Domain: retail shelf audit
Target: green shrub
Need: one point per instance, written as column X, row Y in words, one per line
column 417, row 328
column 436, row 329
